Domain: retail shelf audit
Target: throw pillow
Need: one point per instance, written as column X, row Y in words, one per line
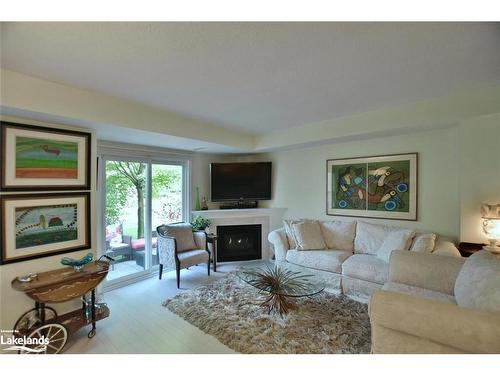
column 183, row 233
column 369, row 237
column 424, row 243
column 288, row 226
column 114, row 234
column 339, row 235
column 396, row 240
column 478, row 282
column 308, row 236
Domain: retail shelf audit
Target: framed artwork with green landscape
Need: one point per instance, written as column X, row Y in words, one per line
column 38, row 225
column 43, row 158
column 379, row 187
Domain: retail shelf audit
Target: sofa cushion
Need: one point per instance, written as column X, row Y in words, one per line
column 396, row 240
column 308, row 236
column 419, row 292
column 290, row 236
column 424, row 243
column 339, row 235
column 366, row 267
column 369, row 237
column 478, row 282
column 183, row 233
column 324, row 260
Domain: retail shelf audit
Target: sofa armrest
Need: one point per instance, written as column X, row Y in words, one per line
column 428, row 271
column 280, row 243
column 446, row 248
column 468, row 330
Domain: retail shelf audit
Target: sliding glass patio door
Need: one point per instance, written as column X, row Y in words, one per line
column 138, row 196
column 167, row 199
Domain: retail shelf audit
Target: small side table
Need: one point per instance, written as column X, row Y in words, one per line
column 212, row 239
column 468, row 248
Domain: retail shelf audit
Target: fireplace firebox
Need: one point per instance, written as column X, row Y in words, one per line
column 239, row 242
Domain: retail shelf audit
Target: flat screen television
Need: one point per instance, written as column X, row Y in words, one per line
column 240, row 181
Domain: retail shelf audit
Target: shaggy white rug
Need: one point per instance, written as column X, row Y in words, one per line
column 229, row 310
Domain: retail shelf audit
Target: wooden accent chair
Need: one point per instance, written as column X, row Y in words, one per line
column 179, row 247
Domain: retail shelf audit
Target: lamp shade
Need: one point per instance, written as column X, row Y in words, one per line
column 490, row 211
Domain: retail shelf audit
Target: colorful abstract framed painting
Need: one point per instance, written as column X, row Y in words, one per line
column 42, row 158
column 40, row 225
column 378, row 186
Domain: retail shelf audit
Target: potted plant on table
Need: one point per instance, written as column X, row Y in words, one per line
column 200, row 223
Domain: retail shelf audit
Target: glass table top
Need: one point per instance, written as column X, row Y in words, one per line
column 281, row 278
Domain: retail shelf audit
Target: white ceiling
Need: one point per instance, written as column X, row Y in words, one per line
column 259, row 77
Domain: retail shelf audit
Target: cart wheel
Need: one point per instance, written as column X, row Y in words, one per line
column 56, row 334
column 31, row 318
column 91, row 333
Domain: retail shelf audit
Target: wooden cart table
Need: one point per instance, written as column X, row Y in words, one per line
column 60, row 285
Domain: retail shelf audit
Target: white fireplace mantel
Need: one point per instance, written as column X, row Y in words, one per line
column 269, row 218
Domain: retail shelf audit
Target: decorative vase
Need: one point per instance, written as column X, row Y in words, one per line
column 204, row 205
column 77, row 264
column 197, row 205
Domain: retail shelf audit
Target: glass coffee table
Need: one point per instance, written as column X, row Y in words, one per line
column 281, row 283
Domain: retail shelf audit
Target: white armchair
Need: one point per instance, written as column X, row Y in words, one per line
column 179, row 247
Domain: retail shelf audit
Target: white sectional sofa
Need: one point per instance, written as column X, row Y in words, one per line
column 438, row 305
column 352, row 257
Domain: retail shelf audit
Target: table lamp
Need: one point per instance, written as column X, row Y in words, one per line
column 491, row 226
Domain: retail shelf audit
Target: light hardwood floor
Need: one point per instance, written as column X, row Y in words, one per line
column 140, row 324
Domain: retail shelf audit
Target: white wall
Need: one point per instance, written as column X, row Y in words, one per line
column 479, row 172
column 299, row 181
column 459, row 168
column 13, row 303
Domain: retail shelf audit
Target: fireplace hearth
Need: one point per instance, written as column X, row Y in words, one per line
column 239, row 242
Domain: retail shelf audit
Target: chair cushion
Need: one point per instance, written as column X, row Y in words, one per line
column 478, row 282
column 369, row 237
column 419, row 292
column 183, row 233
column 324, row 260
column 424, row 243
column 396, row 240
column 308, row 236
column 191, row 257
column 366, row 267
column 140, row 244
column 339, row 235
